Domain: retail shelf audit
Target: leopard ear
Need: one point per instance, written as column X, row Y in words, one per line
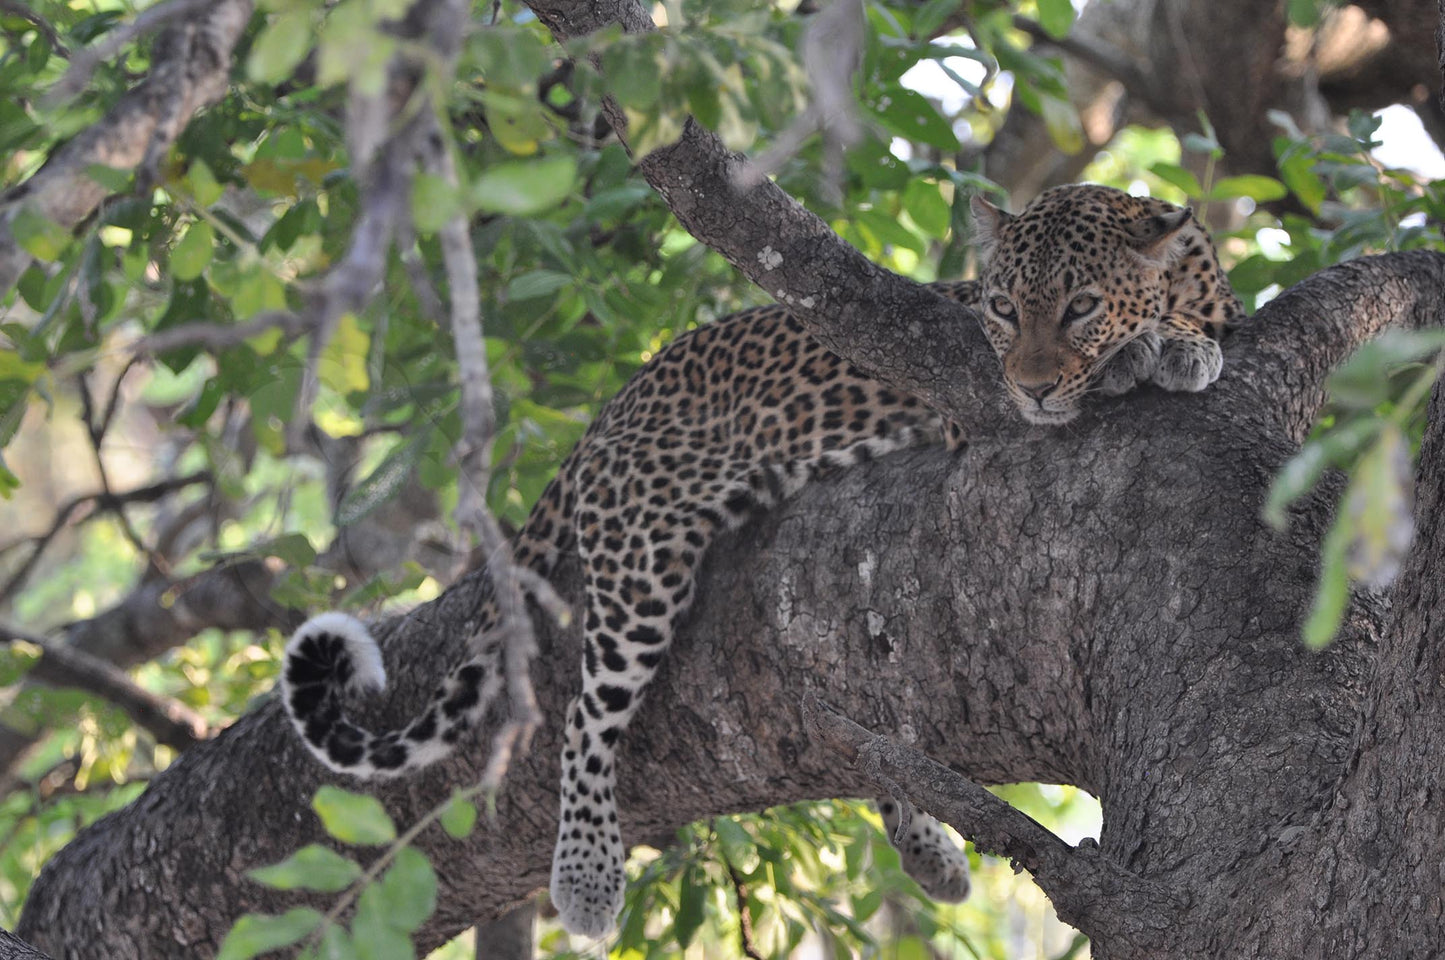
column 1155, row 236
column 988, row 223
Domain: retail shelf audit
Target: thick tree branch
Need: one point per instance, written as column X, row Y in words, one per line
column 169, row 721
column 998, row 610
column 191, row 64
column 885, row 324
column 1088, row 891
column 84, row 62
column 1313, row 331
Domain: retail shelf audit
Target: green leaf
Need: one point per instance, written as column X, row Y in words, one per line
column 1178, row 176
column 1327, row 610
column 537, row 283
column 634, row 72
column 522, row 188
column 114, row 179
column 1056, row 17
column 932, row 16
column 385, row 482
column 192, row 254
column 1258, row 188
column 1298, row 172
column 292, row 548
column 692, row 896
column 736, row 845
column 342, row 365
column 280, row 47
column 925, row 204
column 1062, row 121
column 1380, row 505
column 41, row 238
column 374, row 936
column 511, row 58
column 908, row 114
column 409, row 889
column 258, row 291
column 459, row 818
column 515, row 121
column 353, row 817
column 1298, row 476
column 1363, row 381
column 433, row 202
column 1253, row 273
column 203, row 184
column 14, row 367
column 257, row 933
column 1304, row 13
column 313, row 867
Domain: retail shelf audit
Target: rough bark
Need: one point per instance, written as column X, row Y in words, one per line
column 191, row 64
column 1099, row 606
column 1157, row 62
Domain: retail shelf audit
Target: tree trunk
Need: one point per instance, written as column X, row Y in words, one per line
column 1099, row 605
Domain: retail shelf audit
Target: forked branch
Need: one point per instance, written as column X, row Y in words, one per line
column 1088, row 891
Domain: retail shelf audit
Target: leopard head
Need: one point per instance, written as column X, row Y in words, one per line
column 1068, row 283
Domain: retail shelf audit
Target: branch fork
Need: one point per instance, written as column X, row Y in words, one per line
column 1088, row 890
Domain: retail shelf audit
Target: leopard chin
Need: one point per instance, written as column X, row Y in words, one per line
column 1048, row 418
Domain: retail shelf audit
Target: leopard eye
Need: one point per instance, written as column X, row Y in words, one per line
column 1082, row 305
column 1002, row 306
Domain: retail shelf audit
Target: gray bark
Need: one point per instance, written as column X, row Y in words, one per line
column 1099, row 606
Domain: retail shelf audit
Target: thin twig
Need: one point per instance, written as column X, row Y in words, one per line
column 513, row 630
column 17, row 9
column 169, row 721
column 1103, row 59
column 91, row 502
column 96, row 430
column 215, row 337
column 747, row 941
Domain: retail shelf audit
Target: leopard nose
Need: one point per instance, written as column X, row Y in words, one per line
column 1039, row 390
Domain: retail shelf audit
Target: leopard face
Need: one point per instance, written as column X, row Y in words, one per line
column 1072, row 281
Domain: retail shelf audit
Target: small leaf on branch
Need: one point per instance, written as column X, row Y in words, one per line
column 522, row 188
column 353, row 817
column 258, row 933
column 313, row 867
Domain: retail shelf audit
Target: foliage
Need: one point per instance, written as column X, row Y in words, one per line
column 583, row 276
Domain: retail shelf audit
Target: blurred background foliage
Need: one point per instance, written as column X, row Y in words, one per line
column 583, row 276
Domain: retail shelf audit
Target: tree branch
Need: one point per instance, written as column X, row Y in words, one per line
column 86, row 505
column 1003, row 660
column 1104, row 59
column 84, row 62
column 1088, row 891
column 1308, row 334
column 885, row 324
column 169, row 721
column 191, row 64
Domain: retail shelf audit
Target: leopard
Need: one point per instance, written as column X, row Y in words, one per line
column 1087, row 289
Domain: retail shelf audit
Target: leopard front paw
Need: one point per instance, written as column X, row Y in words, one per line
column 1188, row 366
column 1132, row 365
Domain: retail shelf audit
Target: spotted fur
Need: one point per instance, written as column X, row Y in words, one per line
column 1090, row 288
column 730, row 418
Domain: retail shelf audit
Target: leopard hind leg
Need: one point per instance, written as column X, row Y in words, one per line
column 631, row 616
column 927, row 852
